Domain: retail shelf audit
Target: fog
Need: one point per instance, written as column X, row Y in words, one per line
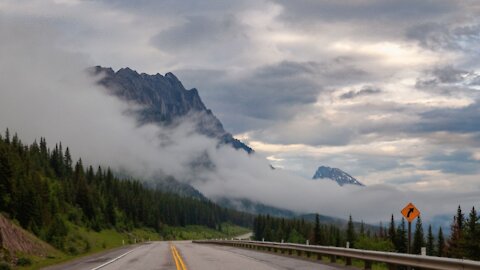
column 46, row 91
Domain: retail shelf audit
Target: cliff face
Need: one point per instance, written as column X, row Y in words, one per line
column 165, row 99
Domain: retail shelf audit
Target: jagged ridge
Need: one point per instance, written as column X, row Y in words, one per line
column 165, row 99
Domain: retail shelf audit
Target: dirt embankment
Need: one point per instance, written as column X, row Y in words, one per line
column 15, row 239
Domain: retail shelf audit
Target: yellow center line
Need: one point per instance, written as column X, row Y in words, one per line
column 178, row 259
column 175, row 258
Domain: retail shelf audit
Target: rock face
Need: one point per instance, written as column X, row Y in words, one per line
column 17, row 240
column 164, row 99
column 337, row 175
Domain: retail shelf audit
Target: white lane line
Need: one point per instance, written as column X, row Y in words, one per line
column 116, row 259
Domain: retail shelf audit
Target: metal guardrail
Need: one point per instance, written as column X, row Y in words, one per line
column 393, row 260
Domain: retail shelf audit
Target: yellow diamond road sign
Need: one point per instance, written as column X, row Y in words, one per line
column 410, row 212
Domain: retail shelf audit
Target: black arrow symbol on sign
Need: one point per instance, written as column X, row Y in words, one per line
column 410, row 211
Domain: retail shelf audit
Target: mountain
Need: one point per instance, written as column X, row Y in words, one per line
column 171, row 185
column 246, row 205
column 164, row 100
column 337, row 175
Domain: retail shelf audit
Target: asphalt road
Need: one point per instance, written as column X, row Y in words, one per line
column 186, row 255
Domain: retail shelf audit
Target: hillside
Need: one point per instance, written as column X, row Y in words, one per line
column 14, row 241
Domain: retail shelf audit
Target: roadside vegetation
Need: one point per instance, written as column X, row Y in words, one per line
column 463, row 242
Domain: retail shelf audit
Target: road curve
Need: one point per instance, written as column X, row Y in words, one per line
column 171, row 256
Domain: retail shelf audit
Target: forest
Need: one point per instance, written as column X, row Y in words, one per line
column 463, row 240
column 43, row 190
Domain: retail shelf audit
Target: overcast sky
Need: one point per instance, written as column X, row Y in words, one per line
column 385, row 90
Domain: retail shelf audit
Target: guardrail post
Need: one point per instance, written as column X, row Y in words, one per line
column 308, row 254
column 368, row 265
column 392, row 266
column 333, row 258
column 319, row 256
column 299, row 253
column 290, row 252
column 348, row 261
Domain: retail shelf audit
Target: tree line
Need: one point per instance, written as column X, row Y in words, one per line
column 44, row 190
column 463, row 242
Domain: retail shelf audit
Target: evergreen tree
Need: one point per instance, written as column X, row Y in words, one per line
column 7, row 136
column 392, row 233
column 362, row 229
column 472, row 236
column 317, row 233
column 401, row 242
column 351, row 236
column 455, row 245
column 440, row 243
column 430, row 242
column 418, row 237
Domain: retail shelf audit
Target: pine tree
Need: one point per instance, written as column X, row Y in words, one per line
column 455, row 245
column 362, row 229
column 392, row 234
column 430, row 242
column 381, row 232
column 472, row 236
column 418, row 237
column 7, row 136
column 401, row 242
column 440, row 243
column 317, row 234
column 351, row 236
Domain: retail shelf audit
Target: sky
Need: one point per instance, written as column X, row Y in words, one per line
column 385, row 90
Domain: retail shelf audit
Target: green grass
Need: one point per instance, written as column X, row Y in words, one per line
column 86, row 242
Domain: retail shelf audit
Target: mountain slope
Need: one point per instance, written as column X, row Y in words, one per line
column 164, row 100
column 337, row 175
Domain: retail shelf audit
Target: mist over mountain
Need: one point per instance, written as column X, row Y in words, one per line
column 337, row 175
column 165, row 101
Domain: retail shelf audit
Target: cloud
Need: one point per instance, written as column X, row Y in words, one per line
column 219, row 37
column 445, row 36
column 269, row 93
column 365, row 10
column 458, row 162
column 454, row 120
column 365, row 91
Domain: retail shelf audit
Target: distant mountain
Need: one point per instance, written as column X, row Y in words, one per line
column 337, row 175
column 171, row 185
column 246, row 205
column 164, row 99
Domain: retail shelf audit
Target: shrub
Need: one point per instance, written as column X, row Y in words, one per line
column 24, row 261
column 4, row 266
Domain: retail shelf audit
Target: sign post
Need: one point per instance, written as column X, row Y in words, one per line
column 410, row 212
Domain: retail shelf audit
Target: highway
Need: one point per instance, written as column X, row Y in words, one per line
column 183, row 255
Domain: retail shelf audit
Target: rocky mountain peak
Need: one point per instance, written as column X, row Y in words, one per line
column 337, row 175
column 165, row 99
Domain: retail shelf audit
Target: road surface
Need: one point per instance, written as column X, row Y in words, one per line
column 183, row 255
